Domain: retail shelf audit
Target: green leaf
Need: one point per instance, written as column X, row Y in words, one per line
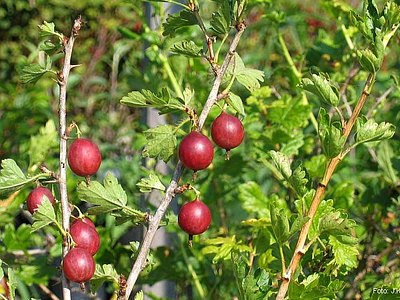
column 17, row 239
column 222, row 247
column 12, row 282
column 1, row 270
column 50, row 47
column 12, row 178
column 296, row 179
column 109, row 198
column 320, row 86
column 297, row 224
column 289, row 112
column 161, row 142
column 236, row 103
column 175, row 22
column 369, row 61
column 187, row 48
column 330, row 135
column 344, row 254
column 161, row 101
column 385, row 157
column 253, row 199
column 146, row 185
column 102, row 274
column 221, row 19
column 248, row 77
column 42, row 143
column 361, row 24
column 280, row 225
column 188, row 95
column 139, row 296
column 370, row 131
column 33, row 72
column 282, row 163
column 44, row 216
column 333, row 223
column 48, row 30
column 293, row 146
column 314, row 287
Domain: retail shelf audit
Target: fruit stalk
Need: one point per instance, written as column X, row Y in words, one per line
column 300, row 250
column 154, row 222
column 62, row 82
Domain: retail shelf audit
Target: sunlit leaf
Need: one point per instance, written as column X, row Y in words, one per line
column 44, row 215
column 187, row 48
column 161, row 142
column 146, row 185
column 370, row 131
column 177, row 21
column 323, row 88
column 102, row 274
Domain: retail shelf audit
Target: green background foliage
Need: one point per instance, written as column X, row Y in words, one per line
column 298, row 63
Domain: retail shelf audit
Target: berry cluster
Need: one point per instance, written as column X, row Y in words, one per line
column 196, row 152
column 84, row 159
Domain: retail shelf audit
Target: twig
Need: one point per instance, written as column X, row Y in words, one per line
column 48, row 292
column 140, row 262
column 62, row 82
column 300, row 250
column 379, row 101
column 352, row 73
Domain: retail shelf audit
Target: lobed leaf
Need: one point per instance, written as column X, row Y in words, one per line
column 296, row 179
column 330, row 135
column 105, row 198
column 320, row 86
column 161, row 101
column 33, row 72
column 222, row 247
column 109, row 198
column 102, row 274
column 370, row 131
column 289, row 112
column 248, row 77
column 236, row 103
column 44, row 215
column 161, row 142
column 11, row 177
column 187, row 48
column 41, row 143
column 12, row 282
column 280, row 225
column 175, row 22
column 344, row 254
column 48, row 29
column 253, row 199
column 146, row 185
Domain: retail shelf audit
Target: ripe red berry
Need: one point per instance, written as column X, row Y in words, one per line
column 196, row 151
column 85, row 220
column 84, row 157
column 78, row 265
column 36, row 197
column 227, row 131
column 85, row 236
column 194, row 217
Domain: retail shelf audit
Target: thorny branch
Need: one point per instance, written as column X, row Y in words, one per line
column 154, row 223
column 62, row 82
column 300, row 249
